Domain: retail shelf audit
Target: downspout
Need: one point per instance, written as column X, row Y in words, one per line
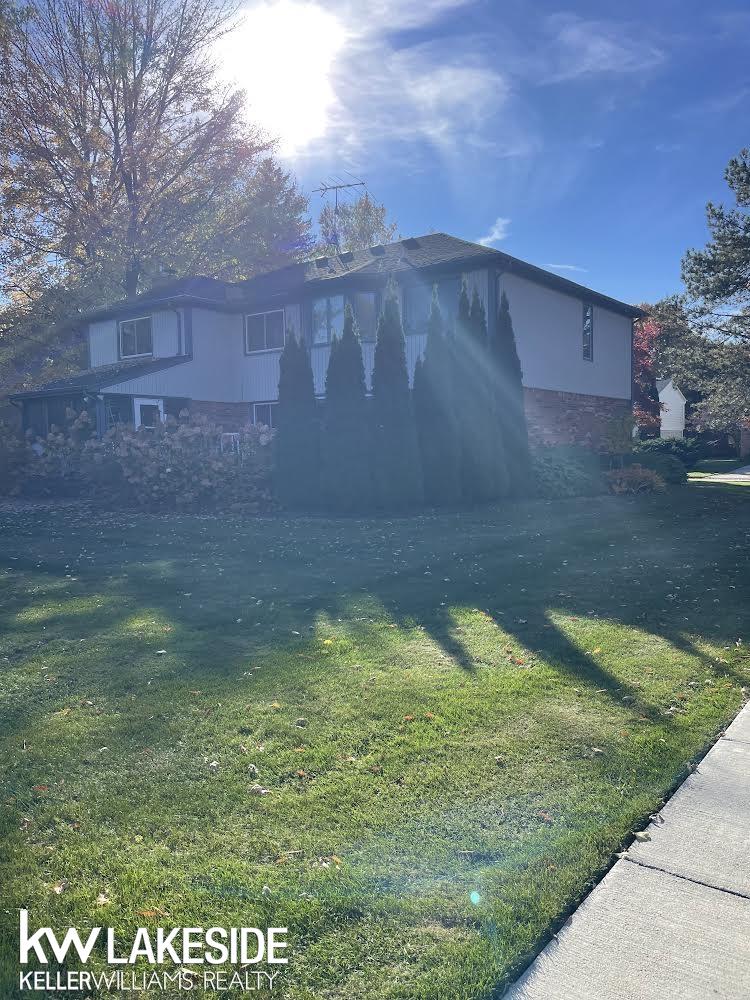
column 178, row 314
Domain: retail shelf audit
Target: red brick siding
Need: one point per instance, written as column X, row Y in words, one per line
column 570, row 417
column 230, row 416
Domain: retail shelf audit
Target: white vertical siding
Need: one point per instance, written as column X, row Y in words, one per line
column 672, row 411
column 549, row 333
column 260, row 376
column 215, row 373
column 319, row 355
column 480, row 281
column 164, row 326
column 104, row 349
column 103, row 343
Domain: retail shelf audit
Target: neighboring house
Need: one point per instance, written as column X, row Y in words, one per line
column 213, row 347
column 672, row 414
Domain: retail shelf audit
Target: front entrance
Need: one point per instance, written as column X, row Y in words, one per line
column 148, row 412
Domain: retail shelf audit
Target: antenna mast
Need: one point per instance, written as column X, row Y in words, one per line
column 324, row 190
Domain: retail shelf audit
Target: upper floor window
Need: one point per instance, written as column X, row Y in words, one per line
column 366, row 313
column 327, row 319
column 136, row 337
column 418, row 303
column 588, row 332
column 264, row 331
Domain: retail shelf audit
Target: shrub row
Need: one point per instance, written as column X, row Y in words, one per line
column 182, row 464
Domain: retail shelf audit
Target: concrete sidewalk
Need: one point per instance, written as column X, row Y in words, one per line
column 671, row 920
column 738, row 476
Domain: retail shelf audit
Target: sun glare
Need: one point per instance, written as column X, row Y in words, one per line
column 282, row 55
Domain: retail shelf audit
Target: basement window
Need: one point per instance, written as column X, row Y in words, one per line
column 264, row 413
column 136, row 338
column 588, row 332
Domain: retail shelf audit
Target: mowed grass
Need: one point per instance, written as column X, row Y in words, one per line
column 458, row 720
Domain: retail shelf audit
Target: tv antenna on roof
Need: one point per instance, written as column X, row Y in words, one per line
column 325, row 188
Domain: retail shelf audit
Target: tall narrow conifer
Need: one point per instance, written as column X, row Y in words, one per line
column 435, row 414
column 297, row 443
column 398, row 478
column 346, row 474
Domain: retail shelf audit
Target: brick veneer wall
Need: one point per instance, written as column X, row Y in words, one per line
column 231, row 416
column 570, row 417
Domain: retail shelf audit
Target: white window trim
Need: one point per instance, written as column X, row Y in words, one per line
column 590, row 357
column 270, row 403
column 134, row 319
column 266, row 350
column 149, row 401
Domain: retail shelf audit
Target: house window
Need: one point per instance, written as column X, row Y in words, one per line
column 365, row 310
column 417, row 304
column 136, row 338
column 327, row 319
column 264, row 331
column 588, row 332
column 148, row 412
column 265, row 413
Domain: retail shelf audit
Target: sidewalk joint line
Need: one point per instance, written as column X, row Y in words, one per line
column 686, row 878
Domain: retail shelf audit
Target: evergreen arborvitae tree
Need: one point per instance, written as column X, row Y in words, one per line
column 398, row 479
column 346, row 473
column 493, row 473
column 478, row 462
column 298, row 431
column 511, row 413
column 435, row 414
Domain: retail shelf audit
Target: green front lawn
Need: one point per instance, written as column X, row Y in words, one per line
column 458, row 720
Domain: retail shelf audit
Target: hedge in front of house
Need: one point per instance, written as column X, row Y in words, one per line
column 562, row 471
column 15, row 455
column 669, row 467
column 178, row 465
column 688, row 450
column 635, row 480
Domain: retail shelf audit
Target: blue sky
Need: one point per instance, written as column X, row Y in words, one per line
column 587, row 136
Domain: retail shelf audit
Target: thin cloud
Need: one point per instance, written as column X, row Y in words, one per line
column 366, row 98
column 580, row 47
column 718, row 104
column 567, row 267
column 498, row 232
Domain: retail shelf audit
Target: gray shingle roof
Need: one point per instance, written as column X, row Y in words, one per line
column 95, row 379
column 420, row 253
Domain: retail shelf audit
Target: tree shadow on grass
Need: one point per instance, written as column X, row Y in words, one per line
column 516, row 563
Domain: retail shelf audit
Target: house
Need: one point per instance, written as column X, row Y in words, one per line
column 672, row 409
column 213, row 347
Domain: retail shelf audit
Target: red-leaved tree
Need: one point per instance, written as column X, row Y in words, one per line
column 646, row 405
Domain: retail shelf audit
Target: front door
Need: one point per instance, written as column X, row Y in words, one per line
column 148, row 412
